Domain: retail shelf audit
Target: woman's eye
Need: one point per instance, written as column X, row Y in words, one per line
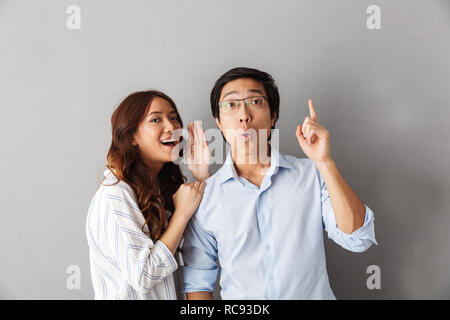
column 175, row 118
column 155, row 120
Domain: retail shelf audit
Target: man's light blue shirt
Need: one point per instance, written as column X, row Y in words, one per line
column 269, row 240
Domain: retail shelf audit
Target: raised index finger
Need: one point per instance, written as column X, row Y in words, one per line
column 312, row 111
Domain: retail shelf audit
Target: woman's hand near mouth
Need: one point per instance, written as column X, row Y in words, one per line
column 198, row 156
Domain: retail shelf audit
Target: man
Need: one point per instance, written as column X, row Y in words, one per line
column 263, row 219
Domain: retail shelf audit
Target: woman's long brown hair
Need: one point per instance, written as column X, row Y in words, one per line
column 125, row 162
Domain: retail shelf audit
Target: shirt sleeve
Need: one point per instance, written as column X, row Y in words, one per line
column 200, row 258
column 358, row 241
column 143, row 263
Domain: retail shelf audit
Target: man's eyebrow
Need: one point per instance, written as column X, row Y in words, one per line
column 250, row 90
column 231, row 92
column 256, row 91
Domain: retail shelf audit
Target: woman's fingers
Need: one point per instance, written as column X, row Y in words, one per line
column 191, row 135
column 204, row 142
column 200, row 137
column 189, row 127
column 198, row 186
column 197, row 147
column 198, row 133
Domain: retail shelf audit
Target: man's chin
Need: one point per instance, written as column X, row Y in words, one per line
column 246, row 148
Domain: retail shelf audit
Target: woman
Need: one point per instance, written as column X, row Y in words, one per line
column 137, row 216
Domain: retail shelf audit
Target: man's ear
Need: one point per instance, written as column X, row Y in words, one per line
column 218, row 123
column 220, row 127
column 273, row 120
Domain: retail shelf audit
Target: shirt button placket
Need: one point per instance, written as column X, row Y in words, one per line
column 266, row 246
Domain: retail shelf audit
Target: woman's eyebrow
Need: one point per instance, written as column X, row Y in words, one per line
column 159, row 112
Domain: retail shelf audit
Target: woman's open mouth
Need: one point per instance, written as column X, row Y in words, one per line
column 170, row 142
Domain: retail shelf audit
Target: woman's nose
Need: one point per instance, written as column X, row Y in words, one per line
column 170, row 126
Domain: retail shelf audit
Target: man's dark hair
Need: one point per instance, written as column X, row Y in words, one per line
column 237, row 73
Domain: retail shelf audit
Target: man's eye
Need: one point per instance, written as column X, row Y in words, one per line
column 230, row 104
column 256, row 101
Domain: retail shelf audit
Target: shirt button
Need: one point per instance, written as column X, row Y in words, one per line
column 267, row 247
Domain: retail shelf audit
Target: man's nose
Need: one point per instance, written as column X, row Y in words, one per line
column 244, row 115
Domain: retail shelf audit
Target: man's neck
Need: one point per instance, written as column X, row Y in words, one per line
column 251, row 164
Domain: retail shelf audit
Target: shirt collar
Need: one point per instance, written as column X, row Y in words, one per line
column 228, row 170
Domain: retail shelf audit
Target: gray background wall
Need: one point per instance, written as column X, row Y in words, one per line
column 383, row 95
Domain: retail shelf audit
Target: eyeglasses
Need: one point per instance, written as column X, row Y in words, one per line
column 253, row 103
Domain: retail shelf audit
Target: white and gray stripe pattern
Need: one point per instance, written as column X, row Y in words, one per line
column 125, row 263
